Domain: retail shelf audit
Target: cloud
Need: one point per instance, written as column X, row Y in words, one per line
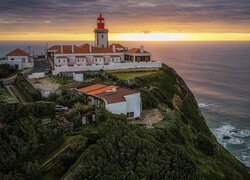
column 128, row 14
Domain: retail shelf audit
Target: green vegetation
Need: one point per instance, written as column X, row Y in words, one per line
column 68, row 98
column 67, row 140
column 131, row 75
column 11, row 112
column 6, row 70
column 27, row 90
column 22, row 142
column 66, row 159
column 5, row 97
column 65, row 156
column 61, row 80
column 179, row 147
column 126, row 152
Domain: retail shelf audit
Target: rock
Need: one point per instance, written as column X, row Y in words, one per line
column 226, row 137
column 177, row 102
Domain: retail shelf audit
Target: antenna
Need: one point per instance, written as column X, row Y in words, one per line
column 29, row 49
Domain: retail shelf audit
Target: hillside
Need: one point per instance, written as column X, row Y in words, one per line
column 179, row 147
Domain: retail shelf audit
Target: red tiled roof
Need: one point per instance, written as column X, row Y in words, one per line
column 18, row 52
column 135, row 50
column 82, row 49
column 117, row 45
column 91, row 88
column 63, row 49
column 117, row 96
column 55, row 47
column 101, row 50
column 99, row 90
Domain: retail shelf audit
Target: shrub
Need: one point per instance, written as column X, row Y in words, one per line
column 6, row 70
column 204, row 144
column 10, row 112
column 27, row 90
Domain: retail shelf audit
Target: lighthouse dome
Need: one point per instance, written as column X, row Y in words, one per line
column 100, row 18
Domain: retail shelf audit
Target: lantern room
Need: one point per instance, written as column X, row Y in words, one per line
column 100, row 22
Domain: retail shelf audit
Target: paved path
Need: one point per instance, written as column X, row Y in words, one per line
column 48, row 164
column 15, row 94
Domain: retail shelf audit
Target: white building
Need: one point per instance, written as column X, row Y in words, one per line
column 116, row 99
column 71, row 58
column 19, row 58
column 78, row 76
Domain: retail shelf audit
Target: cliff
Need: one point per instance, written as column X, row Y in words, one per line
column 179, row 147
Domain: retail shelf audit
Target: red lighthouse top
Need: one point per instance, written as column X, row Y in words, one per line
column 100, row 22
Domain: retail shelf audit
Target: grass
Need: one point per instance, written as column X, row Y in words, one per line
column 131, row 75
column 67, row 140
column 60, row 80
column 132, row 70
column 5, row 97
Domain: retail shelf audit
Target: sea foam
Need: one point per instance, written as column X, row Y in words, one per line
column 202, row 105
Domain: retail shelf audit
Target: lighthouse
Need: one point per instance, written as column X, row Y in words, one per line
column 101, row 34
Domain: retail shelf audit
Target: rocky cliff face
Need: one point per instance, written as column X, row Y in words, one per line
column 179, row 147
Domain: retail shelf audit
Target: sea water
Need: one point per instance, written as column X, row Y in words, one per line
column 218, row 73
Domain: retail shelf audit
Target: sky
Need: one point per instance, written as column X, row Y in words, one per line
column 195, row 20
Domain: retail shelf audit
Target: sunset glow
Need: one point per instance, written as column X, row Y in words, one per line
column 158, row 20
column 129, row 37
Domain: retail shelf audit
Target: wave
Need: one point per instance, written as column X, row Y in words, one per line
column 202, row 105
column 228, row 134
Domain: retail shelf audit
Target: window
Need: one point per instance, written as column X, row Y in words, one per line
column 102, row 36
column 58, row 60
column 102, row 45
column 23, row 60
column 130, row 114
column 12, row 59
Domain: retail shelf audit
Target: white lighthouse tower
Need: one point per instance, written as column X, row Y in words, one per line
column 101, row 34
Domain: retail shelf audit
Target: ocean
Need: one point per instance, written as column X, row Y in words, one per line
column 218, row 73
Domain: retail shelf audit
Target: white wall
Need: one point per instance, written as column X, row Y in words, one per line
column 21, row 61
column 81, row 61
column 117, row 108
column 78, row 77
column 99, row 60
column 102, row 39
column 18, row 58
column 36, row 75
column 114, row 66
column 134, row 104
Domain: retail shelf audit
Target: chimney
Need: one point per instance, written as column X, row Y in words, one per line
column 142, row 49
column 61, row 49
column 73, row 49
column 113, row 46
column 90, row 48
